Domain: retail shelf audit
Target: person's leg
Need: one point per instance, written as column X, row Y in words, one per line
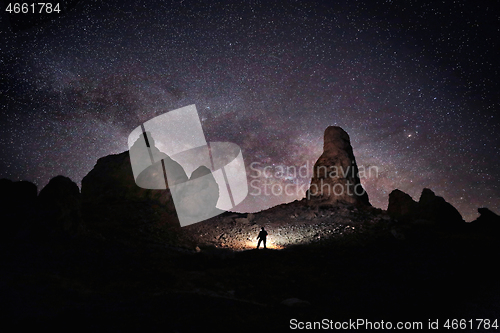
column 258, row 244
column 264, row 240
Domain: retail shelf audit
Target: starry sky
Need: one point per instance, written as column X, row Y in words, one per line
column 414, row 83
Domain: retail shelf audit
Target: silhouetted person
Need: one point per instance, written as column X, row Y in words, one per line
column 262, row 237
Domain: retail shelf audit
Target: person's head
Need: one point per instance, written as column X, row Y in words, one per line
column 262, row 228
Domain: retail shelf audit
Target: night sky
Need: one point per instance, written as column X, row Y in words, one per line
column 415, row 84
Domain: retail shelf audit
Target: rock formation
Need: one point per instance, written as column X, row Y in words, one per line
column 112, row 180
column 59, row 205
column 335, row 173
column 487, row 220
column 17, row 205
column 434, row 208
column 401, row 206
column 430, row 207
column 113, row 200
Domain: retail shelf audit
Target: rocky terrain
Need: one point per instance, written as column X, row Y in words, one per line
column 113, row 257
column 325, row 213
column 291, row 224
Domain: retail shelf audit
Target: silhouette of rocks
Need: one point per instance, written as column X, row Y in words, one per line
column 401, row 205
column 112, row 180
column 24, row 192
column 60, row 205
column 436, row 209
column 14, row 194
column 430, row 207
column 17, row 205
column 487, row 220
column 487, row 215
column 114, row 204
column 335, row 173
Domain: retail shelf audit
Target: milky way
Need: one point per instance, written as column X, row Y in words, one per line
column 414, row 85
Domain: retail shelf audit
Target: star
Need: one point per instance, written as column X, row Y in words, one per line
column 269, row 77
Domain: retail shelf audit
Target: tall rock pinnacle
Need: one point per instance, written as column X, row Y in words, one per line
column 335, row 173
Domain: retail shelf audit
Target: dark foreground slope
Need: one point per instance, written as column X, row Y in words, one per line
column 86, row 283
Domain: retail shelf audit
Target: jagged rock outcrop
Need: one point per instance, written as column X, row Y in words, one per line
column 401, row 205
column 14, row 195
column 487, row 220
column 112, row 180
column 430, row 207
column 487, row 216
column 434, row 208
column 114, row 203
column 59, row 204
column 112, row 199
column 335, row 174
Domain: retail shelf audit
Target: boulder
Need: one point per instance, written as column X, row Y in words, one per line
column 335, row 174
column 113, row 202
